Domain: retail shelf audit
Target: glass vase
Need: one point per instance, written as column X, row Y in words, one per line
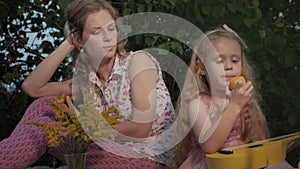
column 75, row 161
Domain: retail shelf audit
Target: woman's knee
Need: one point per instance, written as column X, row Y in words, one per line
column 39, row 107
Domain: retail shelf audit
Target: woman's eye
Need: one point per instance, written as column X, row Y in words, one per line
column 97, row 32
column 112, row 28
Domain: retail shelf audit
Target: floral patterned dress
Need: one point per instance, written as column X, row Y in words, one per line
column 117, row 93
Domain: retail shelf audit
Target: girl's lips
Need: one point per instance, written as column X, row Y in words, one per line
column 228, row 78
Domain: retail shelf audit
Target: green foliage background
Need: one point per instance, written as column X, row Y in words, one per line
column 270, row 28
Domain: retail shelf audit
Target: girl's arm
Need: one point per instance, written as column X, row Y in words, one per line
column 237, row 99
column 219, row 136
column 143, row 76
column 37, row 85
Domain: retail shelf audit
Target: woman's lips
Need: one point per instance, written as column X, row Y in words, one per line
column 107, row 48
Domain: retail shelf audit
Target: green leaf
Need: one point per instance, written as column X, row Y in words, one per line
column 149, row 41
column 177, row 47
column 140, row 8
column 280, row 25
column 280, row 42
column 164, row 46
column 222, row 11
column 9, row 77
column 206, row 10
column 291, row 60
column 64, row 3
column 258, row 13
column 234, row 7
column 4, row 10
column 255, row 3
column 250, row 21
column 21, row 11
column 126, row 11
column 216, row 11
column 126, row 29
column 149, row 7
column 267, row 65
column 180, row 33
column 262, row 34
column 293, row 118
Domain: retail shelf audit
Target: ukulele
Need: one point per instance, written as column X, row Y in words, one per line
column 256, row 155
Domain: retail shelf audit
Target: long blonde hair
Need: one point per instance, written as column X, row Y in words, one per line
column 251, row 115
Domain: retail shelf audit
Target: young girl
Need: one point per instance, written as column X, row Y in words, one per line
column 218, row 58
column 132, row 82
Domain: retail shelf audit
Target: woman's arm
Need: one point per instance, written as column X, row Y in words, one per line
column 143, row 76
column 37, row 85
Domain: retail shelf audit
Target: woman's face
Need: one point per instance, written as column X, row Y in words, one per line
column 100, row 36
column 223, row 62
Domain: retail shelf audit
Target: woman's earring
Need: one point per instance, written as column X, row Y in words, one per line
column 83, row 55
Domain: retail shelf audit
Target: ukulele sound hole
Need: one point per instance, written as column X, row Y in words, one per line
column 254, row 146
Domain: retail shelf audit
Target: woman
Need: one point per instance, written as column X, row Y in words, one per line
column 132, row 82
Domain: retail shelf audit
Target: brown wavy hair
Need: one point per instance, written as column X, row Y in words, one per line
column 77, row 12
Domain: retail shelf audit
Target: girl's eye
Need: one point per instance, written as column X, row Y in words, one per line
column 235, row 60
column 219, row 61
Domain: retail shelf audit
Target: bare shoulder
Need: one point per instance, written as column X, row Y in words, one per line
column 142, row 62
column 142, row 58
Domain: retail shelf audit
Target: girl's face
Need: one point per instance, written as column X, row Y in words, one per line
column 223, row 62
column 100, row 36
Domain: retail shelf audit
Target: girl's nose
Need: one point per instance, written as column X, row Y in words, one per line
column 228, row 65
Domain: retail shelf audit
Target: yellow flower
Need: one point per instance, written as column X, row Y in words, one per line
column 68, row 127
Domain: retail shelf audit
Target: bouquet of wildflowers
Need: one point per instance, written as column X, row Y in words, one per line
column 70, row 130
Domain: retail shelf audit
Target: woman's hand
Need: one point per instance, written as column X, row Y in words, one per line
column 71, row 37
column 71, row 105
column 68, row 34
column 69, row 88
column 66, row 87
